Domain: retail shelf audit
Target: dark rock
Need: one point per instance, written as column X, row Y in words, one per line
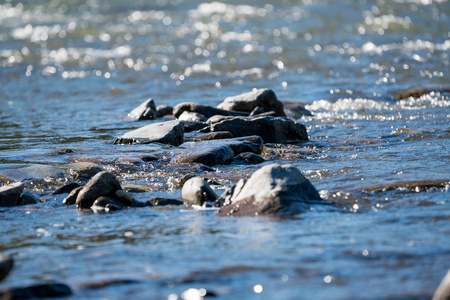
column 413, row 185
column 190, row 126
column 124, row 197
column 240, row 145
column 65, row 151
column 270, row 129
column 257, row 111
column 417, row 92
column 65, row 188
column 6, row 264
column 197, row 137
column 106, row 204
column 225, row 198
column 443, row 290
column 248, row 158
column 28, row 198
column 209, row 155
column 72, row 197
column 196, row 191
column 218, row 118
column 158, row 201
column 273, row 188
column 169, row 132
column 84, row 169
column 205, row 110
column 102, row 184
column 295, row 110
column 145, row 111
column 264, row 98
column 163, row 110
column 51, row 290
column 10, row 194
column 148, row 157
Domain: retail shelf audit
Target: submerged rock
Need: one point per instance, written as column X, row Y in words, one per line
column 51, row 290
column 106, row 204
column 270, row 129
column 145, row 111
column 295, row 110
column 273, row 188
column 102, row 184
column 209, row 155
column 28, row 198
column 72, row 197
column 169, row 132
column 205, row 110
column 158, row 201
column 443, row 290
column 14, row 172
column 124, row 197
column 6, row 265
column 10, row 194
column 196, row 191
column 248, row 158
column 417, row 92
column 263, row 98
column 65, row 188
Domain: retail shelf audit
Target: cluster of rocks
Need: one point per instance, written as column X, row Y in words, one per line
column 13, row 195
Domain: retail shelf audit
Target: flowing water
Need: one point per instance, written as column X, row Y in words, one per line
column 72, row 70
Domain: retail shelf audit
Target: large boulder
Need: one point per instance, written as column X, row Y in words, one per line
column 273, row 188
column 102, row 184
column 145, row 111
column 169, row 132
column 10, row 194
column 196, row 191
column 205, row 110
column 270, row 129
column 263, row 98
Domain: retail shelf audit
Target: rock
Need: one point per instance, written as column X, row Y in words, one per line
column 413, row 185
column 209, row 155
column 102, row 184
column 264, row 98
column 190, row 126
column 28, row 198
column 196, row 191
column 192, row 117
column 257, row 111
column 106, row 204
column 217, row 118
column 65, row 188
column 85, row 170
column 169, row 132
column 197, row 137
column 158, row 201
column 145, row 111
column 225, row 198
column 417, row 92
column 51, row 290
column 124, row 197
column 64, row 151
column 443, row 290
column 21, row 172
column 163, row 110
column 148, row 157
column 273, row 188
column 10, row 194
column 205, row 110
column 6, row 265
column 72, row 197
column 248, row 158
column 270, row 129
column 295, row 110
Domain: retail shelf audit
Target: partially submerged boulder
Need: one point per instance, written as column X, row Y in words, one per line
column 270, row 129
column 196, row 191
column 205, row 110
column 273, row 188
column 102, row 184
column 145, row 111
column 262, row 98
column 169, row 132
column 10, row 194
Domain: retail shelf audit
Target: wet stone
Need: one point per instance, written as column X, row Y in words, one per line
column 270, row 129
column 72, row 197
column 271, row 189
column 10, row 194
column 22, row 172
column 209, row 155
column 163, row 110
column 148, row 157
column 197, row 137
column 158, row 201
column 124, row 197
column 6, row 265
column 169, row 132
column 295, row 110
column 28, row 198
column 51, row 290
column 205, row 110
column 196, row 191
column 417, row 92
column 106, row 204
column 65, row 188
column 84, row 170
column 190, row 126
column 145, row 111
column 263, row 98
column 248, row 158
column 102, row 184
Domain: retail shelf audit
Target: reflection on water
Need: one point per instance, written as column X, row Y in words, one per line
column 70, row 72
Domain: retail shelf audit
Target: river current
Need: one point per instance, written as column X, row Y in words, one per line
column 71, row 71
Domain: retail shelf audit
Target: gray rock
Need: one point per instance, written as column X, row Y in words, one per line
column 6, row 265
column 196, row 191
column 10, row 194
column 264, row 98
column 106, row 204
column 169, row 132
column 248, row 158
column 217, row 118
column 21, row 172
column 190, row 126
column 52, row 290
column 205, row 110
column 158, row 201
column 84, row 169
column 197, row 137
column 191, row 117
column 102, row 184
column 270, row 129
column 163, row 110
column 65, row 188
column 273, row 188
column 145, row 111
column 295, row 110
column 443, row 290
column 72, row 197
column 209, row 155
column 124, row 197
column 28, row 198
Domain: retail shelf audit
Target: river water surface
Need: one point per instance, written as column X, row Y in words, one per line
column 70, row 71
